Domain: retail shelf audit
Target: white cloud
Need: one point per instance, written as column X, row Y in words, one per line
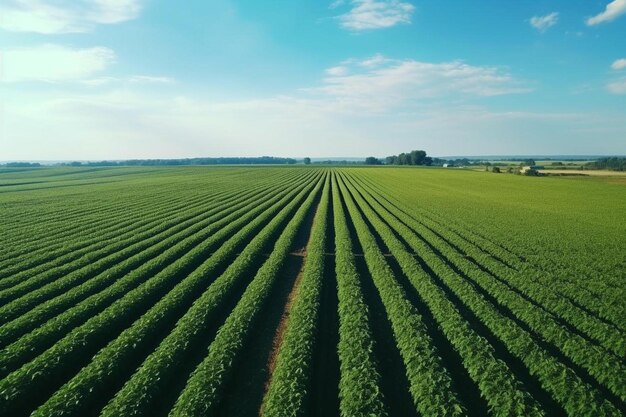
column 376, row 110
column 53, row 63
column 135, row 79
column 376, row 14
column 619, row 64
column 64, row 16
column 374, row 61
column 613, row 10
column 125, row 124
column 391, row 83
column 337, row 71
column 542, row 23
column 617, row 86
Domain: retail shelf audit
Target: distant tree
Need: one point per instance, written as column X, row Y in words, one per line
column 391, row 160
column 611, row 163
column 307, row 161
column 527, row 162
column 417, row 157
column 412, row 158
column 370, row 160
column 531, row 172
column 22, row 164
column 264, row 160
column 495, row 169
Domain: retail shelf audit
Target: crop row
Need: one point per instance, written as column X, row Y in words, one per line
column 96, row 220
column 42, row 375
column 70, row 280
column 81, row 241
column 498, row 261
column 430, row 382
column 601, row 364
column 205, row 385
column 160, row 255
column 53, row 281
column 69, row 253
column 208, row 238
column 608, row 304
column 43, row 232
column 47, row 238
column 575, row 396
column 359, row 384
column 80, row 393
column 291, row 377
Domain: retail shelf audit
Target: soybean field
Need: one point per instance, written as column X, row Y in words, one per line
column 310, row 291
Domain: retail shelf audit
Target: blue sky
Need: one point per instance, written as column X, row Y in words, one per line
column 116, row 79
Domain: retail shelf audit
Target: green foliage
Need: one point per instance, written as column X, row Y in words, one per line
column 612, row 164
column 289, row 388
column 113, row 279
column 430, row 383
column 411, row 158
column 553, row 375
column 371, row 160
column 205, row 387
column 359, row 384
column 82, row 390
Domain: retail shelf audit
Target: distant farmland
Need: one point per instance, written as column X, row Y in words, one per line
column 304, row 291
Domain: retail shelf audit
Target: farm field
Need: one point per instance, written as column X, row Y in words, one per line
column 306, row 291
column 590, row 172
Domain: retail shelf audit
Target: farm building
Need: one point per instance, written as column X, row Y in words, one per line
column 529, row 170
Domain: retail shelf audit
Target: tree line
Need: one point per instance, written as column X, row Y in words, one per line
column 411, row 158
column 611, row 163
column 263, row 160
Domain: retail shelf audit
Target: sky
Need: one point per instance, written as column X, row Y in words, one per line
column 121, row 79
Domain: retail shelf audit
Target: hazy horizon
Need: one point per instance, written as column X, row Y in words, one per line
column 138, row 79
column 339, row 158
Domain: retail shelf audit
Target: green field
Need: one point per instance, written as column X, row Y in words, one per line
column 303, row 291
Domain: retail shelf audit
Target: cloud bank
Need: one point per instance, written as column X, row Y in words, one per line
column 542, row 23
column 619, row 64
column 53, row 63
column 375, row 14
column 613, row 10
column 64, row 16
